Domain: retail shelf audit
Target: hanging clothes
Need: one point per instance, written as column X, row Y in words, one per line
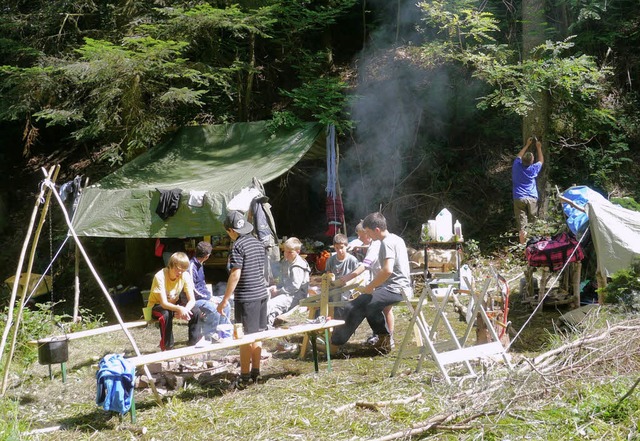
column 334, row 206
column 168, row 203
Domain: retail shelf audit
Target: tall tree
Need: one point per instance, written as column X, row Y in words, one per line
column 536, row 120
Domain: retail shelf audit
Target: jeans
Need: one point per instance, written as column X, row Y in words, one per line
column 369, row 306
column 206, row 319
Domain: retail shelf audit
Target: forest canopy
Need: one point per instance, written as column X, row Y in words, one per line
column 431, row 100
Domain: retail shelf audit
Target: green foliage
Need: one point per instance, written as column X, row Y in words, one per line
column 324, row 100
column 42, row 321
column 624, row 288
column 472, row 249
column 10, row 426
column 627, row 202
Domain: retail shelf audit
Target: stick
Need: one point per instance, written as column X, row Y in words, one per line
column 416, row 430
column 377, row 405
column 53, row 172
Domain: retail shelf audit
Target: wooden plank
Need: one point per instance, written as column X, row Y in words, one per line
column 471, row 353
column 90, row 332
column 231, row 343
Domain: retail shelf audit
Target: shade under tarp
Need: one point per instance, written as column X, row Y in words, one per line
column 218, row 160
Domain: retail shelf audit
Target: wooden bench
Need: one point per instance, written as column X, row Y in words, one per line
column 89, row 332
column 306, row 329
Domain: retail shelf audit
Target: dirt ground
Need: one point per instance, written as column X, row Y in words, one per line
column 46, row 402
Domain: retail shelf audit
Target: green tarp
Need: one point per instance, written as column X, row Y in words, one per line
column 219, row 160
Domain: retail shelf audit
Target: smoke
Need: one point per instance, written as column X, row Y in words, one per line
column 394, row 101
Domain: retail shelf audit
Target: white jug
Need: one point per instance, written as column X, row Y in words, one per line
column 444, row 225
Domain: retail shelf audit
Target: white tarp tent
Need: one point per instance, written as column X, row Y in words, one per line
column 615, row 231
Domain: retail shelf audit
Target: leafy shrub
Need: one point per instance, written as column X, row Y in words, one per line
column 41, row 322
column 624, row 288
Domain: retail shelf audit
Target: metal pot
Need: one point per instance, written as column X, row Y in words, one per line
column 54, row 351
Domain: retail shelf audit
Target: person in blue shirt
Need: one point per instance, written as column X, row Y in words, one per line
column 525, row 192
column 206, row 304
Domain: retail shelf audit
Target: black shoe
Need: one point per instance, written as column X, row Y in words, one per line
column 258, row 380
column 372, row 340
column 242, row 383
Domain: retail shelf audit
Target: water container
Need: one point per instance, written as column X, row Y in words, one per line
column 457, row 231
column 433, row 230
column 424, row 233
column 444, row 225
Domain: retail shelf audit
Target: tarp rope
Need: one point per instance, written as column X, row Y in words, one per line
column 546, row 294
column 44, row 273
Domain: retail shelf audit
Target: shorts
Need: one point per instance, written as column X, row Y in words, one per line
column 252, row 315
column 526, row 210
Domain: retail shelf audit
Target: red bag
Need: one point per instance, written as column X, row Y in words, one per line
column 554, row 252
column 159, row 248
column 321, row 261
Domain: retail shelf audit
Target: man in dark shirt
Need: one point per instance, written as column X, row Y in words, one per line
column 207, row 317
column 247, row 283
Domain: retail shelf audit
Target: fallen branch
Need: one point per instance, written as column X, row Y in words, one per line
column 581, row 342
column 431, row 423
column 377, row 405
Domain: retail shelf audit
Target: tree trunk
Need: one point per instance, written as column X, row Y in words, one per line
column 248, row 86
column 536, row 122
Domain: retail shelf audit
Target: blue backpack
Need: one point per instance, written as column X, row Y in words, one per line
column 115, row 381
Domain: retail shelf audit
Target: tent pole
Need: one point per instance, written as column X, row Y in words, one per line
column 106, row 293
column 14, row 289
column 51, row 174
column 76, row 287
column 76, row 280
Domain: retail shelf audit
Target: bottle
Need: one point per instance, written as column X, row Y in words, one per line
column 444, row 225
column 433, row 233
column 424, row 233
column 457, row 231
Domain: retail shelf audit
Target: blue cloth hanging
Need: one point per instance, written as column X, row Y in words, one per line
column 115, row 381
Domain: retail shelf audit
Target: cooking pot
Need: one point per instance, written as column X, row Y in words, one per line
column 53, row 351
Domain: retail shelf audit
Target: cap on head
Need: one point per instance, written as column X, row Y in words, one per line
column 236, row 221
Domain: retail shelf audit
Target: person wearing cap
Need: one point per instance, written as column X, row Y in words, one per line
column 249, row 287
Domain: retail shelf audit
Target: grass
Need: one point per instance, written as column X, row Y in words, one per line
column 576, row 396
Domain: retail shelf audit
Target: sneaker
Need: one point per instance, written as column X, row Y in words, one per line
column 242, row 383
column 385, row 344
column 372, row 340
column 286, row 347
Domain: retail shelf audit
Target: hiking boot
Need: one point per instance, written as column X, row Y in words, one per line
column 372, row 339
column 385, row 344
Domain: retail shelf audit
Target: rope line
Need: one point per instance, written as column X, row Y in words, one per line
column 546, row 294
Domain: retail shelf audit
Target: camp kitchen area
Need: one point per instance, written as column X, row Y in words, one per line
column 178, row 193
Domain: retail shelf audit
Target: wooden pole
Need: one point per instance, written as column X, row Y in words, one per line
column 76, row 281
column 14, row 289
column 53, row 174
column 76, row 287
